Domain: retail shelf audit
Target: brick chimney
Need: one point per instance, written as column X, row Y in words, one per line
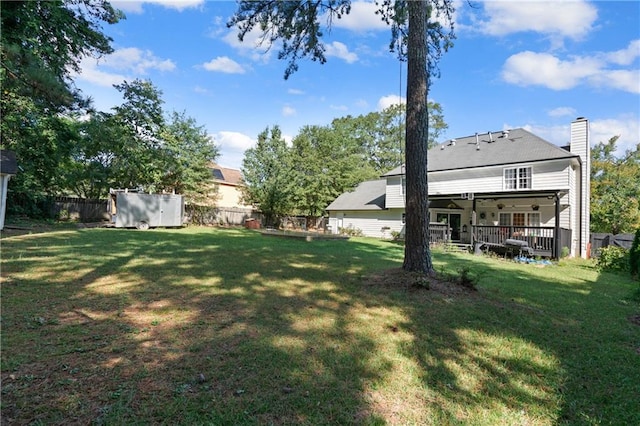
column 581, row 147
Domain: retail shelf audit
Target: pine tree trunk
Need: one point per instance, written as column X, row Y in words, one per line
column 417, row 256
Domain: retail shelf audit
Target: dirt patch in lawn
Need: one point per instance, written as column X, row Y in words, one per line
column 399, row 278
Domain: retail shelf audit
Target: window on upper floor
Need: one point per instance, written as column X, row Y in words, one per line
column 517, row 178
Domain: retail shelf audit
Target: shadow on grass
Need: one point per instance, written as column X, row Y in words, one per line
column 227, row 327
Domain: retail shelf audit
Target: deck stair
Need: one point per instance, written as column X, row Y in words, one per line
column 457, row 247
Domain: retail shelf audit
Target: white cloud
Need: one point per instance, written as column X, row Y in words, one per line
column 288, row 111
column 562, row 112
column 233, row 141
column 135, row 6
column 600, row 130
column 627, row 127
column 625, row 56
column 386, row 101
column 362, row 17
column 137, row 61
column 544, row 69
column 625, row 80
column 340, row 50
column 89, row 72
column 254, row 44
column 123, row 64
column 224, row 64
column 571, row 19
column 295, row 92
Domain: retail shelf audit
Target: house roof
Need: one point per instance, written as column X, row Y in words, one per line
column 371, row 195
column 496, row 148
column 226, row 175
column 368, row 195
column 8, row 162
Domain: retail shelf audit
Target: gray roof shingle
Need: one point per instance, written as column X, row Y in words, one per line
column 496, row 148
column 368, row 195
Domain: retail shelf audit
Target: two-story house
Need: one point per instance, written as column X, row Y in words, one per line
column 486, row 188
column 229, row 184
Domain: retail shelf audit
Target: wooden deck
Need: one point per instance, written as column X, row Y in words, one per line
column 541, row 239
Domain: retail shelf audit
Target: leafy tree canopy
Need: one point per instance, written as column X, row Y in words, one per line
column 382, row 134
column 266, row 172
column 41, row 43
column 189, row 153
column 615, row 192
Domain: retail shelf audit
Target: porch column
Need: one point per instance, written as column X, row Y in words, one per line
column 473, row 222
column 556, row 240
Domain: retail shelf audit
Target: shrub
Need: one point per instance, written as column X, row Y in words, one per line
column 467, row 279
column 613, row 258
column 350, row 231
column 634, row 255
column 464, row 277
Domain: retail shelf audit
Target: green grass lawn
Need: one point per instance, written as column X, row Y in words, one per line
column 229, row 327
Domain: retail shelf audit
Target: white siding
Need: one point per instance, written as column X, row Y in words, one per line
column 550, row 175
column 378, row 224
column 580, row 145
column 394, row 192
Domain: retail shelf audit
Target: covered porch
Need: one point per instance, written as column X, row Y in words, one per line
column 491, row 219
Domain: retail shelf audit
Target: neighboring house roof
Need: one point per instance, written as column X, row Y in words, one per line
column 369, row 195
column 226, row 175
column 496, row 148
column 8, row 162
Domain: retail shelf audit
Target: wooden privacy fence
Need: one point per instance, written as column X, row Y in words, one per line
column 601, row 240
column 80, row 209
column 205, row 215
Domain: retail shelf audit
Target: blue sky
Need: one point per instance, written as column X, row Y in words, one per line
column 531, row 64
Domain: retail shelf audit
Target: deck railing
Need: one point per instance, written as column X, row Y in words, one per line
column 439, row 233
column 540, row 238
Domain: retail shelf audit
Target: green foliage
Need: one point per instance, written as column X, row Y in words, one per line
column 323, row 165
column 189, row 151
column 381, row 134
column 350, row 231
column 266, row 172
column 615, row 193
column 42, row 42
column 100, row 140
column 396, row 235
column 634, row 255
column 463, row 277
column 613, row 258
column 139, row 162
